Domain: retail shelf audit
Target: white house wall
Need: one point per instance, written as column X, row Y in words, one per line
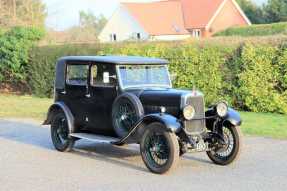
column 123, row 25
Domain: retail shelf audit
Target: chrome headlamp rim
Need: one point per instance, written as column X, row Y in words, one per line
column 188, row 112
column 221, row 109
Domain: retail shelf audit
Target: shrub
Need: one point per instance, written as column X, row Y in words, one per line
column 194, row 66
column 14, row 52
column 41, row 67
column 250, row 77
column 282, row 65
column 258, row 80
column 255, row 30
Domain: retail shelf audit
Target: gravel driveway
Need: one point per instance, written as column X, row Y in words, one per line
column 28, row 161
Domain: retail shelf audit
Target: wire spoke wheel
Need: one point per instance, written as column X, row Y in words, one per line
column 60, row 133
column 156, row 150
column 226, row 149
column 125, row 116
column 159, row 148
column 127, row 110
column 224, row 154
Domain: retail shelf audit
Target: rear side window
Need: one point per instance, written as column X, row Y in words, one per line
column 77, row 74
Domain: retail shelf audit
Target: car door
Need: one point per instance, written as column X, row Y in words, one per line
column 76, row 98
column 103, row 91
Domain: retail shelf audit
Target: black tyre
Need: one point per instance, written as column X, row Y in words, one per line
column 127, row 110
column 60, row 133
column 159, row 149
column 226, row 154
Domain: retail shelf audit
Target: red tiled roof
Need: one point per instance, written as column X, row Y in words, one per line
column 159, row 18
column 198, row 13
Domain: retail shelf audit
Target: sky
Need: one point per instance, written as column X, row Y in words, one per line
column 63, row 14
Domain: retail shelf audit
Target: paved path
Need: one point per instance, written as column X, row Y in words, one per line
column 29, row 162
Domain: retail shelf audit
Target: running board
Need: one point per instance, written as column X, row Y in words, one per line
column 95, row 138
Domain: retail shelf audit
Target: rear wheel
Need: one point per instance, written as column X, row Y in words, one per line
column 159, row 149
column 60, row 133
column 229, row 152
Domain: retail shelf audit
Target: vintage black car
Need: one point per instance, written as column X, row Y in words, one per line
column 130, row 100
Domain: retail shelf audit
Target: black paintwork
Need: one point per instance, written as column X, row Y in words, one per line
column 154, row 98
column 90, row 107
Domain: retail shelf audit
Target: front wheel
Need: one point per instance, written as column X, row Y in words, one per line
column 229, row 152
column 60, row 133
column 159, row 149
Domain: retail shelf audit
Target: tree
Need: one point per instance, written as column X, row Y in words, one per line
column 22, row 13
column 275, row 11
column 89, row 21
column 252, row 11
column 89, row 27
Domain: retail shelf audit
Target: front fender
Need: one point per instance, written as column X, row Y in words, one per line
column 171, row 123
column 233, row 117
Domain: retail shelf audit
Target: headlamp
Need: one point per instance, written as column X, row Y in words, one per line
column 188, row 112
column 222, row 109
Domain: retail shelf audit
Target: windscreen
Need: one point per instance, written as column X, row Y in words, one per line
column 144, row 76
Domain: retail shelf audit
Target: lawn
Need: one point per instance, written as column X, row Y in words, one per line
column 255, row 124
column 12, row 106
column 265, row 124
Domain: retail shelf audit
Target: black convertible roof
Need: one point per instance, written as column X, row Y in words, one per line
column 117, row 60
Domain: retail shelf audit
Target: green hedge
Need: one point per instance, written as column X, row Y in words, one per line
column 250, row 77
column 255, row 30
column 41, row 68
column 14, row 52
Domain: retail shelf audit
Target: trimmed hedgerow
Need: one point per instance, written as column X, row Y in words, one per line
column 41, row 68
column 258, row 80
column 251, row 77
column 255, row 30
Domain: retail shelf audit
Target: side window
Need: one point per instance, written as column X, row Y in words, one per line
column 77, row 74
column 94, row 75
column 97, row 75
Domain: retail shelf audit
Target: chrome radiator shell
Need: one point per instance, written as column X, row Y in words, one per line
column 197, row 124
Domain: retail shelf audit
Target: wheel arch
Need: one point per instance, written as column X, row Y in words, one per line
column 58, row 107
column 170, row 122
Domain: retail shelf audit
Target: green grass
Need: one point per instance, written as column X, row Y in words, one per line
column 256, row 30
column 255, row 124
column 12, row 106
column 265, row 124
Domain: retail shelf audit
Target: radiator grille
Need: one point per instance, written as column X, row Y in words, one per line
column 196, row 125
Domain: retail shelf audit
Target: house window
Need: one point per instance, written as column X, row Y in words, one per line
column 138, row 36
column 196, row 33
column 113, row 37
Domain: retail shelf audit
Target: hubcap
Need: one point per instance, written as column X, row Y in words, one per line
column 62, row 131
column 125, row 116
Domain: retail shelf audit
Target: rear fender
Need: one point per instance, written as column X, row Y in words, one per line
column 60, row 107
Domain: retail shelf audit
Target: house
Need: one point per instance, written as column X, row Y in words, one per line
column 172, row 20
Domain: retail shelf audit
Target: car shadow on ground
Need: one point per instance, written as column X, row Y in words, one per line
column 127, row 156
column 39, row 136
